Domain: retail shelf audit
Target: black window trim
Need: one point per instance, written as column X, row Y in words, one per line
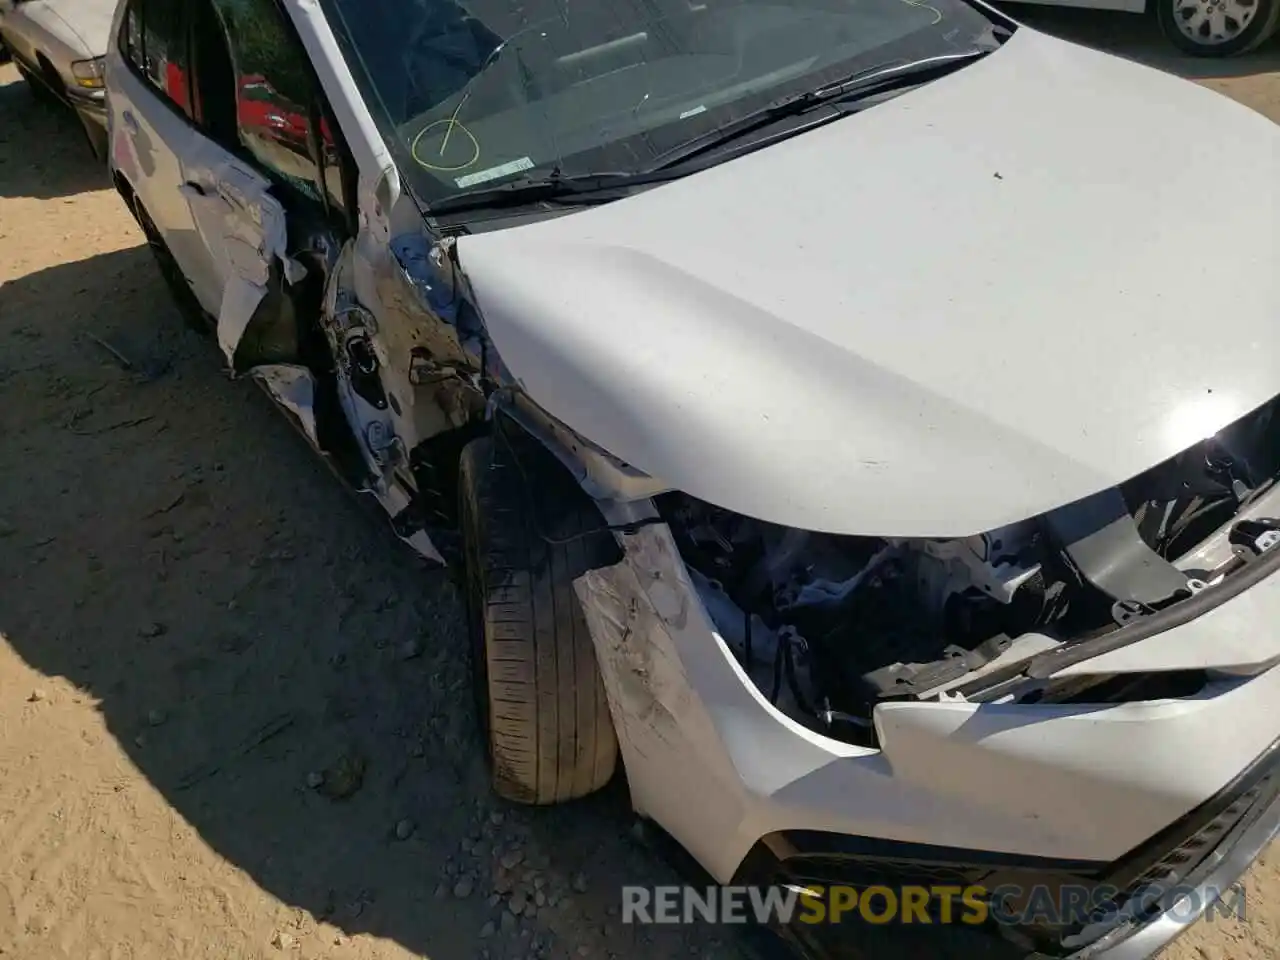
column 139, row 70
column 318, row 107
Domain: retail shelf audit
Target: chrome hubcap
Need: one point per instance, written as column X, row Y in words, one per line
column 1211, row 22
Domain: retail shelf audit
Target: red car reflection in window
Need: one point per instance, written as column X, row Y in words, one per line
column 175, row 85
column 260, row 107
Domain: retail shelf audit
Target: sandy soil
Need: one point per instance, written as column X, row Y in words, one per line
column 195, row 620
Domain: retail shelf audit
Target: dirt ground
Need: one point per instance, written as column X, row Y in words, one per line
column 196, row 622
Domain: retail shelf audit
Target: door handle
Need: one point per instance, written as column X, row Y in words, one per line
column 190, row 186
column 130, row 123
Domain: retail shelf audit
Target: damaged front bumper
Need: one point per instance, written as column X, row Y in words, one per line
column 1186, row 869
column 1058, row 791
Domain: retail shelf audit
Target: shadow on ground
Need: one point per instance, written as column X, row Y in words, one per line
column 172, row 548
column 44, row 153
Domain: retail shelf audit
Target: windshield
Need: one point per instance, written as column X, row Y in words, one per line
column 472, row 94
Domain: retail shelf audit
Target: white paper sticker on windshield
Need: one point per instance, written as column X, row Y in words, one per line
column 493, row 173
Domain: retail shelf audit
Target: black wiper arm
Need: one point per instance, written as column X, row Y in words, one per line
column 599, row 187
column 858, row 86
column 533, row 190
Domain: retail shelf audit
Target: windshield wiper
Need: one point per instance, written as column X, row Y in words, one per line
column 858, row 86
column 603, row 187
column 585, row 189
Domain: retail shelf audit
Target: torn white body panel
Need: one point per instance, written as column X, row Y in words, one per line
column 382, row 406
column 1077, row 782
column 294, row 388
column 245, row 231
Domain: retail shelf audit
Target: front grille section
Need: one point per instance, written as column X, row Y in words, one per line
column 1172, row 858
column 1126, row 892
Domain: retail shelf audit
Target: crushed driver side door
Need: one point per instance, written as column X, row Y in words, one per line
column 245, row 229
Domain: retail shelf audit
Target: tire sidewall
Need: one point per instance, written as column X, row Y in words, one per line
column 474, row 591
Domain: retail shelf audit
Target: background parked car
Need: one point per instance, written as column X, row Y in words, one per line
column 1202, row 28
column 58, row 47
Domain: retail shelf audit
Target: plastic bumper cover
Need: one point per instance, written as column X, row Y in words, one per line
column 1073, row 786
column 1191, row 864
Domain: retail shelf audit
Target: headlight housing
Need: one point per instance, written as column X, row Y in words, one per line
column 89, row 74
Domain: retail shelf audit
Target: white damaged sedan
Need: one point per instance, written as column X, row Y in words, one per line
column 859, row 418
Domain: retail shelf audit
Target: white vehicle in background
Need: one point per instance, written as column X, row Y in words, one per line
column 58, row 47
column 1202, row 28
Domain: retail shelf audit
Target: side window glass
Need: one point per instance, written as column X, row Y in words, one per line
column 131, row 34
column 164, row 46
column 274, row 93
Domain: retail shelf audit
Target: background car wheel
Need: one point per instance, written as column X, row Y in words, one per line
column 39, row 89
column 528, row 532
column 1217, row 28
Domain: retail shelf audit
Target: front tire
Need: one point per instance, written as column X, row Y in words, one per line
column 1217, row 28
column 528, row 531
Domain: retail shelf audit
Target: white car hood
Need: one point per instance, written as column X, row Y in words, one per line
column 1006, row 290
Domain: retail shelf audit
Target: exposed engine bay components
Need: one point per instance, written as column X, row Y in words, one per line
column 1253, row 538
column 828, row 626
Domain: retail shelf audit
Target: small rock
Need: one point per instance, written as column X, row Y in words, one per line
column 511, row 859
column 584, row 950
column 417, row 750
column 540, row 898
column 411, row 649
column 37, row 695
column 502, row 882
column 404, row 829
column 530, row 910
column 539, row 882
column 314, row 779
column 441, row 890
column 517, row 902
column 479, row 850
column 345, row 777
column 140, row 740
column 283, row 941
column 156, row 717
column 496, row 818
column 467, row 845
column 579, row 883
column 508, row 922
column 152, row 630
column 494, row 900
column 487, row 930
column 462, row 889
